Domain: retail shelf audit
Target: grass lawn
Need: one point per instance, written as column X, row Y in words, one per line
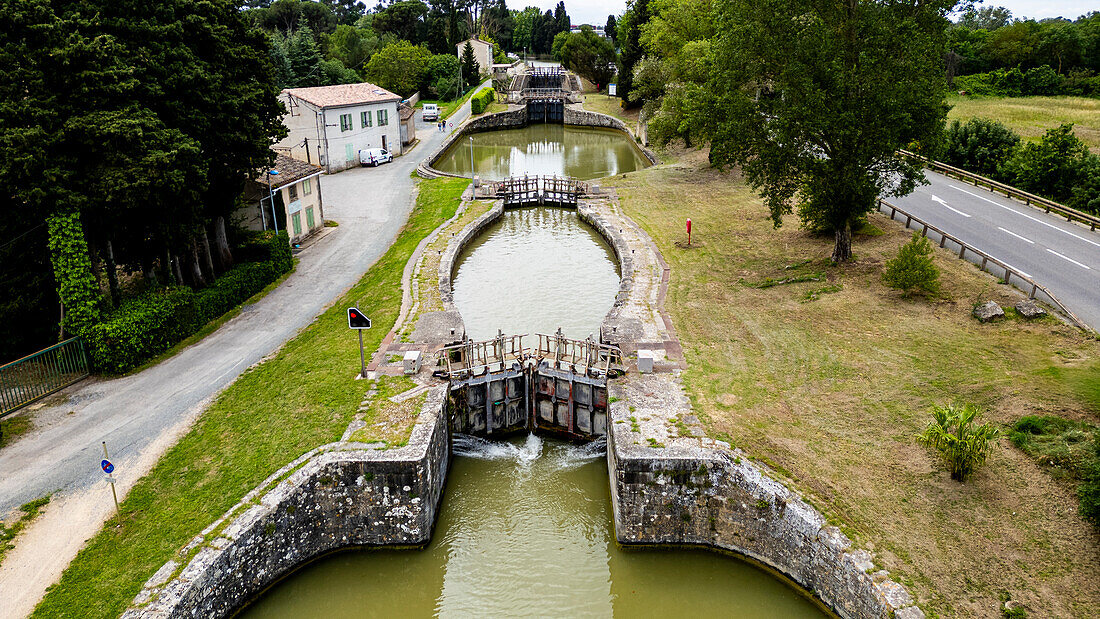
column 612, row 106
column 1030, row 117
column 302, row 397
column 829, row 381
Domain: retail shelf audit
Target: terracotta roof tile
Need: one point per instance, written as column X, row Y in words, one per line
column 343, row 94
column 289, row 170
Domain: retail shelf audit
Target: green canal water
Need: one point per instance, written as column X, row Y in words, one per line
column 525, row 528
column 544, row 149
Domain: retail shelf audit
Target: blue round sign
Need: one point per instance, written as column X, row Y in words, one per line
column 108, row 468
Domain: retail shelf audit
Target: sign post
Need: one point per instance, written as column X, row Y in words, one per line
column 359, row 321
column 689, row 232
column 109, row 468
column 612, row 90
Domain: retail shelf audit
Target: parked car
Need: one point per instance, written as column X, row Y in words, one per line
column 430, row 113
column 374, row 156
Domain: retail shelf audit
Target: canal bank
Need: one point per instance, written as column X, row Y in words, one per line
column 669, row 484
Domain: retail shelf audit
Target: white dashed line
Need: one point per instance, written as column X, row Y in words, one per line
column 1035, row 219
column 1083, row 266
column 1024, row 239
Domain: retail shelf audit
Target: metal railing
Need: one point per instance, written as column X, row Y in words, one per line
column 1030, row 286
column 36, row 376
column 1029, row 198
column 587, row 357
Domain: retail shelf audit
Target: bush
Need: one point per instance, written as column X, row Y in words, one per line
column 146, row 326
column 1060, row 167
column 480, row 101
column 979, row 145
column 913, row 267
column 962, row 445
column 1013, row 82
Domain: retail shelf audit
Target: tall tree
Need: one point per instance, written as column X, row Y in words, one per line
column 630, row 46
column 304, row 57
column 609, row 29
column 471, row 71
column 813, row 98
column 589, row 55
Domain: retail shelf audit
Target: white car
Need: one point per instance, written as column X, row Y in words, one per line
column 374, row 156
column 431, row 112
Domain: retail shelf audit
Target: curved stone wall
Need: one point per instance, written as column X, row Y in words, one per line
column 513, row 119
column 338, row 496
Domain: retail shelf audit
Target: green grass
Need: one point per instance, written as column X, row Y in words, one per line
column 1030, row 117
column 1064, row 446
column 13, row 427
column 301, row 398
column 9, row 532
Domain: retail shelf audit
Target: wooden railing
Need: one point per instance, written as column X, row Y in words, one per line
column 1031, row 287
column 1048, row 205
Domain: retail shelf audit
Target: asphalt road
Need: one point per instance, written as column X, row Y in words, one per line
column 1062, row 256
column 61, row 455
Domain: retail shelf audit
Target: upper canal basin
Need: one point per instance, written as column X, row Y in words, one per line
column 585, row 153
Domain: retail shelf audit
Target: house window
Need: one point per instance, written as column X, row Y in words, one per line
column 296, row 220
column 293, row 192
column 309, row 218
column 349, row 152
column 383, row 118
column 345, row 122
column 364, row 119
column 307, row 188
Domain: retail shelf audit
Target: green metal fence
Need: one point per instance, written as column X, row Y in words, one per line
column 36, row 376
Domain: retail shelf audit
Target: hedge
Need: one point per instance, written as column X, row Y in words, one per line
column 480, row 102
column 150, row 324
column 1041, row 80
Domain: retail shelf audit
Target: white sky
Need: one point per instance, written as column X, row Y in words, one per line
column 595, row 12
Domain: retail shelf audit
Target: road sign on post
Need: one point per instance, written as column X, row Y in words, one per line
column 612, row 90
column 109, row 468
column 358, row 320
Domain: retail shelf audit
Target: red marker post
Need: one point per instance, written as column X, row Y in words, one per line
column 689, row 231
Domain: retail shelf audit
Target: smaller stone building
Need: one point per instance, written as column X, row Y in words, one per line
column 295, row 190
column 483, row 53
column 408, row 125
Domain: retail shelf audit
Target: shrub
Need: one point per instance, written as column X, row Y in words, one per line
column 1058, row 166
column 1089, row 491
column 962, row 445
column 979, row 145
column 913, row 267
column 150, row 324
column 480, row 101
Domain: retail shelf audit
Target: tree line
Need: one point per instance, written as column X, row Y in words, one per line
column 318, row 43
column 128, row 130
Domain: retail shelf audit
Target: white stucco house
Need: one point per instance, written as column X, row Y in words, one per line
column 483, row 53
column 329, row 125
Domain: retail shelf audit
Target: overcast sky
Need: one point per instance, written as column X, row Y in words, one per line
column 596, row 11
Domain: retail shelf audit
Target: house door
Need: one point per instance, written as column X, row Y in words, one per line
column 384, row 143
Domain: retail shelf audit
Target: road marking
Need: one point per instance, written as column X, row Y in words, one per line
column 1026, row 240
column 936, row 198
column 1035, row 219
column 1083, row 266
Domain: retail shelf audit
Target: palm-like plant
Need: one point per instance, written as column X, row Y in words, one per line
column 962, row 444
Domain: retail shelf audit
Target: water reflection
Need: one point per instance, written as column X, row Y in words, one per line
column 580, row 152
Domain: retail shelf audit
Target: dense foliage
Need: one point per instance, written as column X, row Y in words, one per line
column 988, row 39
column 805, row 96
column 131, row 127
column 587, row 54
column 1059, row 166
column 150, row 324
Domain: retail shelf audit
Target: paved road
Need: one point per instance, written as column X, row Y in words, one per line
column 62, row 454
column 1062, row 256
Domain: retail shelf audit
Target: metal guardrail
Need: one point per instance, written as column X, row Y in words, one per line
column 1010, row 191
column 1009, row 270
column 36, row 376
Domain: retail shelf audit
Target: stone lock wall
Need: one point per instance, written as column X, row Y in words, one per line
column 711, row 498
column 338, row 496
